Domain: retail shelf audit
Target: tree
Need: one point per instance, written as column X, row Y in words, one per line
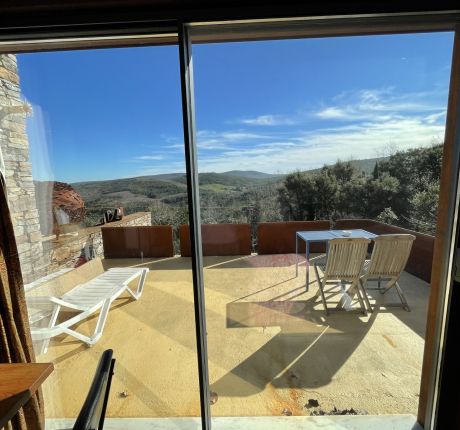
column 376, row 171
column 297, row 197
column 424, row 209
column 325, row 195
column 163, row 214
column 379, row 194
column 414, row 169
column 350, row 197
column 387, row 216
column 402, row 190
column 342, row 171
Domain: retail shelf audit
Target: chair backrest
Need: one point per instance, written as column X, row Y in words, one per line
column 390, row 254
column 92, row 413
column 346, row 258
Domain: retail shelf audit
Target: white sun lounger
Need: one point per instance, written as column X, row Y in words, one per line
column 87, row 299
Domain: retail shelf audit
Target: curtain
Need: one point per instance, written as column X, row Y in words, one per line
column 15, row 340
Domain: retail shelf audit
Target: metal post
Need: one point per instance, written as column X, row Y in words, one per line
column 307, row 265
column 188, row 117
column 296, row 255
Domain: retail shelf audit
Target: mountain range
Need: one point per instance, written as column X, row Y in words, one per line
column 139, row 193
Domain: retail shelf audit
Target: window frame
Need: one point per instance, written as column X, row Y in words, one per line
column 124, row 34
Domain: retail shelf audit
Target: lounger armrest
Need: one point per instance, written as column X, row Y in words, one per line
column 46, row 300
column 41, row 300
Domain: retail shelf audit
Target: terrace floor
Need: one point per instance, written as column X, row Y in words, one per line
column 271, row 346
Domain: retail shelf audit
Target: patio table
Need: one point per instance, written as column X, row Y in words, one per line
column 322, row 236
column 18, row 383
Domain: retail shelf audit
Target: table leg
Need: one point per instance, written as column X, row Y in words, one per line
column 307, row 264
column 296, row 255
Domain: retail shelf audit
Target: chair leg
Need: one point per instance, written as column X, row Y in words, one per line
column 366, row 298
column 379, row 287
column 323, row 297
column 394, row 283
column 320, row 286
column 355, row 287
column 402, row 297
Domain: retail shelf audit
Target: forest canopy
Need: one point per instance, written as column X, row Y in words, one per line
column 401, row 190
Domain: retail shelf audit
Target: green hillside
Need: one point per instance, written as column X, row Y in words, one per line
column 216, row 189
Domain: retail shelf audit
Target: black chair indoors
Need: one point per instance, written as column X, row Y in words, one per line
column 92, row 414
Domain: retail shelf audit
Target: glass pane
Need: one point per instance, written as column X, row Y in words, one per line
column 330, row 142
column 93, row 147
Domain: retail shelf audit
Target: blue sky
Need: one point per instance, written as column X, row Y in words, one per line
column 271, row 106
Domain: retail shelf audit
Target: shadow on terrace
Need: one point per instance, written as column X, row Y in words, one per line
column 271, row 346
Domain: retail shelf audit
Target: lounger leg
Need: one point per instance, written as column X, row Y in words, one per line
column 91, row 340
column 140, row 286
column 101, row 322
column 52, row 323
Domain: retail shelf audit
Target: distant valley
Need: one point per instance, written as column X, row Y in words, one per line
column 236, row 189
column 140, row 192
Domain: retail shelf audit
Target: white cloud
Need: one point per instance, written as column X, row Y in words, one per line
column 380, row 104
column 268, row 120
column 214, row 140
column 172, row 167
column 149, row 157
column 361, row 124
column 176, row 146
column 234, row 136
column 315, row 148
column 434, row 117
column 332, row 113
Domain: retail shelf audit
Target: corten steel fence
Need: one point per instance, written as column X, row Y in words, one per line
column 243, row 239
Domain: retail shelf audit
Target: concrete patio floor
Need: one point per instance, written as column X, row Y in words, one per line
column 271, row 346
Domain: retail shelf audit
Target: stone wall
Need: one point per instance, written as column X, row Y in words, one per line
column 39, row 257
column 72, row 250
column 14, row 147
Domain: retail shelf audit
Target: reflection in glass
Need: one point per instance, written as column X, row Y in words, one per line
column 301, row 139
column 94, row 165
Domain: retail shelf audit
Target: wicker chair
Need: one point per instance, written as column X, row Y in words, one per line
column 344, row 262
column 388, row 260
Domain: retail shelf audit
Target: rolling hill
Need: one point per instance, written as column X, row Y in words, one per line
column 139, row 193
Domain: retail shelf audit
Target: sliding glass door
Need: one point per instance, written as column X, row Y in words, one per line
column 198, row 251
column 296, row 139
column 92, row 144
